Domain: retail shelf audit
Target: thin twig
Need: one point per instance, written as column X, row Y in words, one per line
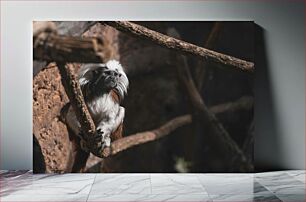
column 244, row 103
column 166, row 129
column 147, row 136
column 202, row 66
column 176, row 44
column 201, row 111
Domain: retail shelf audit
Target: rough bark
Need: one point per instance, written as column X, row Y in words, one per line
column 73, row 28
column 147, row 136
column 52, row 47
column 75, row 95
column 170, row 126
column 49, row 97
column 244, row 103
column 176, row 44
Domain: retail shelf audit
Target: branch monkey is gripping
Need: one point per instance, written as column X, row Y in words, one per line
column 104, row 87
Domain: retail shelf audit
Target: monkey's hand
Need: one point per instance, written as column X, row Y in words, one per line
column 103, row 137
column 100, row 138
column 105, row 129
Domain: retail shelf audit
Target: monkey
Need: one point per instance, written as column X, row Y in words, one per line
column 104, row 87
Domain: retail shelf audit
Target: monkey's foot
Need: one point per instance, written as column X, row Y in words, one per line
column 102, row 137
column 84, row 145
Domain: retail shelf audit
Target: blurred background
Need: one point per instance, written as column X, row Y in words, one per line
column 156, row 96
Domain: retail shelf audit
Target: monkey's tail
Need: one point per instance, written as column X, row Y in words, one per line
column 77, row 158
column 80, row 160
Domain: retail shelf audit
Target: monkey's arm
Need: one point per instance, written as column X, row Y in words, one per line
column 106, row 128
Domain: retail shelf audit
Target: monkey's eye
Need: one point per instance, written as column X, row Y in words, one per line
column 95, row 72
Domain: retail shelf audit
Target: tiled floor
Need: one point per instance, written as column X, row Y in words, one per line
column 271, row 186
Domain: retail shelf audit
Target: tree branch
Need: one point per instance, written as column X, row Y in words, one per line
column 147, row 136
column 52, row 47
column 202, row 66
column 166, row 129
column 172, row 43
column 61, row 49
column 202, row 112
column 244, row 103
column 75, row 95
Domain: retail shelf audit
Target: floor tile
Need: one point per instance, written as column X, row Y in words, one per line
column 260, row 189
column 245, row 198
column 266, row 198
column 223, row 184
column 291, row 197
column 175, row 184
column 232, row 198
column 286, row 186
column 178, row 198
column 47, row 184
column 43, row 198
column 149, row 198
column 121, row 184
column 282, row 183
column 298, row 175
column 261, row 193
column 277, row 175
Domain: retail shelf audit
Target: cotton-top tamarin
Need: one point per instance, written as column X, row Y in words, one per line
column 104, row 87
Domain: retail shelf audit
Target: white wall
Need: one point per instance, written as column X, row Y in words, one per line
column 280, row 98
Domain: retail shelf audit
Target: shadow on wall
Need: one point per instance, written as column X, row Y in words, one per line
column 267, row 142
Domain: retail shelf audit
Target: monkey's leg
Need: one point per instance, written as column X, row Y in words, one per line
column 80, row 161
column 77, row 157
column 105, row 129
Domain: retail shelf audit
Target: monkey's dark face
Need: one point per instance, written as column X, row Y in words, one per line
column 102, row 78
column 105, row 79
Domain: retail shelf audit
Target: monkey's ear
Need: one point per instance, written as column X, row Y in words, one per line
column 85, row 74
column 83, row 81
column 102, row 65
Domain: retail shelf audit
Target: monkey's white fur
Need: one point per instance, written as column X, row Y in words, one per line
column 105, row 111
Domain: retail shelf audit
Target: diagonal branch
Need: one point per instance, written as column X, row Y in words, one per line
column 61, row 49
column 202, row 66
column 176, row 44
column 75, row 95
column 244, row 103
column 202, row 112
column 147, row 136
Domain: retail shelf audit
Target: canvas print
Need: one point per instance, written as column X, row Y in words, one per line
column 139, row 97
